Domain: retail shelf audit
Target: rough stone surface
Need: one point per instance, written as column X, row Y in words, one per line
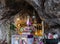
column 50, row 11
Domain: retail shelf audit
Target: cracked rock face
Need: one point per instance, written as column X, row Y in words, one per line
column 4, row 31
column 52, row 7
column 51, row 11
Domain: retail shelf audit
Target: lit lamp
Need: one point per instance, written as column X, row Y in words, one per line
column 18, row 23
column 40, row 32
column 18, row 19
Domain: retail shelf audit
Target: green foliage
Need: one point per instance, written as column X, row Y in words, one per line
column 21, row 29
column 12, row 26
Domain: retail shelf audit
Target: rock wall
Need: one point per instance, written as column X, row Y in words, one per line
column 49, row 10
column 4, row 31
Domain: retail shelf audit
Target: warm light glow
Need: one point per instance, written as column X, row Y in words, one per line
column 18, row 19
column 38, row 33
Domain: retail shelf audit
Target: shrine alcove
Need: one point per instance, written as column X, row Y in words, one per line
column 15, row 10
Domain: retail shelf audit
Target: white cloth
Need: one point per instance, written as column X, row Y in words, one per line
column 58, row 42
column 55, row 36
